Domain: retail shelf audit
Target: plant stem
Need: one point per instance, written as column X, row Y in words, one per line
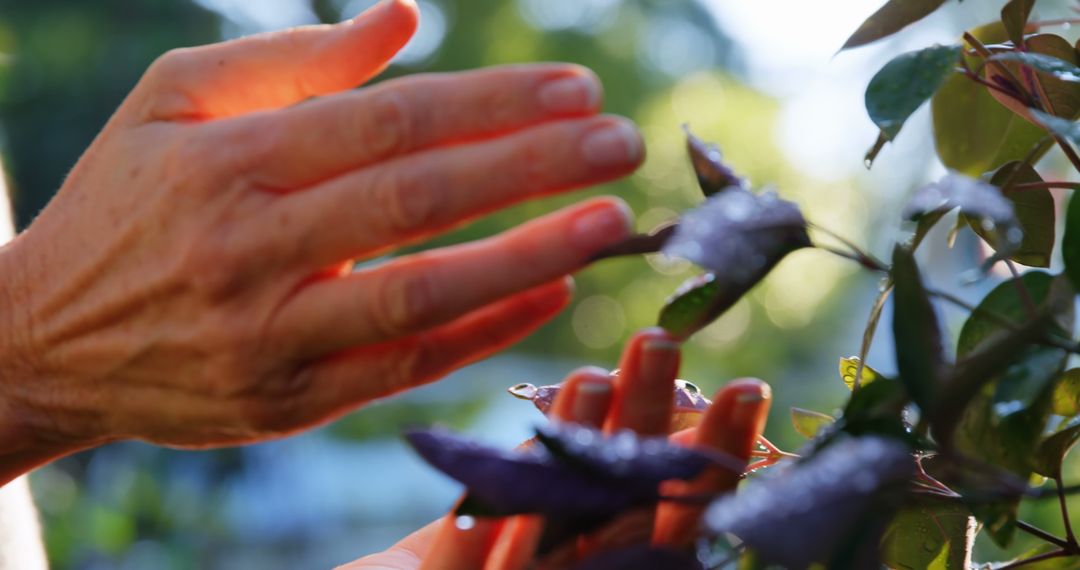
column 1069, row 152
column 987, row 54
column 869, row 332
column 1069, row 536
column 1041, row 534
column 863, row 258
column 1059, row 22
column 1044, row 556
column 1047, row 185
column 1021, row 289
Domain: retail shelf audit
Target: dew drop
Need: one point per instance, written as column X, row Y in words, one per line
column 465, row 522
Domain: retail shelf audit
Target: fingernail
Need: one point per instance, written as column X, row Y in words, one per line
column 614, row 144
column 748, row 410
column 592, row 402
column 570, row 94
column 660, row 356
column 602, row 225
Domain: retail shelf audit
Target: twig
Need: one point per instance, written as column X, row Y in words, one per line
column 1069, row 536
column 1044, row 556
column 1069, row 152
column 869, row 332
column 987, row 54
column 1041, row 534
column 1021, row 289
column 1059, row 22
column 860, row 256
column 1047, row 185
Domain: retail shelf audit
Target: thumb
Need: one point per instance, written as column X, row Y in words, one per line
column 275, row 69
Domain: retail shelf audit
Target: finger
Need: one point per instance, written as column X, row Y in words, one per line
column 584, row 399
column 731, row 425
column 277, row 69
column 411, row 294
column 462, row 543
column 341, row 382
column 427, row 193
column 407, row 554
column 334, row 135
column 644, row 388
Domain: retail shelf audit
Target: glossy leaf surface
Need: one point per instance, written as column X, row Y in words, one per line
column 1052, row 450
column 1057, row 67
column 930, row 532
column 1067, row 394
column 708, row 162
column 814, row 510
column 1014, row 17
column 919, row 352
column 1005, row 421
column 849, row 366
column 891, row 18
column 808, row 422
column 973, row 132
column 904, row 84
column 1035, row 214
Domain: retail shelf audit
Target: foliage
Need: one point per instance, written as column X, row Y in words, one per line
column 916, row 465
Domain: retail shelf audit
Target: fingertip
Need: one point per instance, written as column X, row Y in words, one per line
column 745, row 390
column 404, row 14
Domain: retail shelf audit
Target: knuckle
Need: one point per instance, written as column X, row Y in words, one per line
column 209, row 268
column 407, row 199
column 405, row 302
column 385, row 125
column 171, row 63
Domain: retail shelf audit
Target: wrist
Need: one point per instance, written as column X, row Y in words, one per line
column 26, row 439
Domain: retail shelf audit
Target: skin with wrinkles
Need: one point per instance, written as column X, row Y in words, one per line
column 191, row 283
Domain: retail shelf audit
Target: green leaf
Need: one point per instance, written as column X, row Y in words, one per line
column 1059, row 68
column 850, row 365
column 932, row 533
column 1070, row 242
column 1069, row 130
column 919, row 354
column 808, row 422
column 904, row 84
column 1053, row 449
column 1014, row 17
column 1035, row 212
column 1067, row 393
column 891, row 18
column 697, row 302
column 1004, row 423
column 973, row 132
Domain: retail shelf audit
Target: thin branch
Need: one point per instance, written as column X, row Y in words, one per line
column 869, row 332
column 1069, row 152
column 1069, row 536
column 1059, row 22
column 1021, row 289
column 1039, row 558
column 1047, row 185
column 987, row 54
column 1041, row 534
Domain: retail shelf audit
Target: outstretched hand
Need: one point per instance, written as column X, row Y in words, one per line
column 638, row 398
column 192, row 285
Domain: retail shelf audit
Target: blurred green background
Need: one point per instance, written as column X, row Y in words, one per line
column 757, row 77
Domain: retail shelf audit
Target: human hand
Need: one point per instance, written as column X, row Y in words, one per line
column 639, row 398
column 190, row 284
